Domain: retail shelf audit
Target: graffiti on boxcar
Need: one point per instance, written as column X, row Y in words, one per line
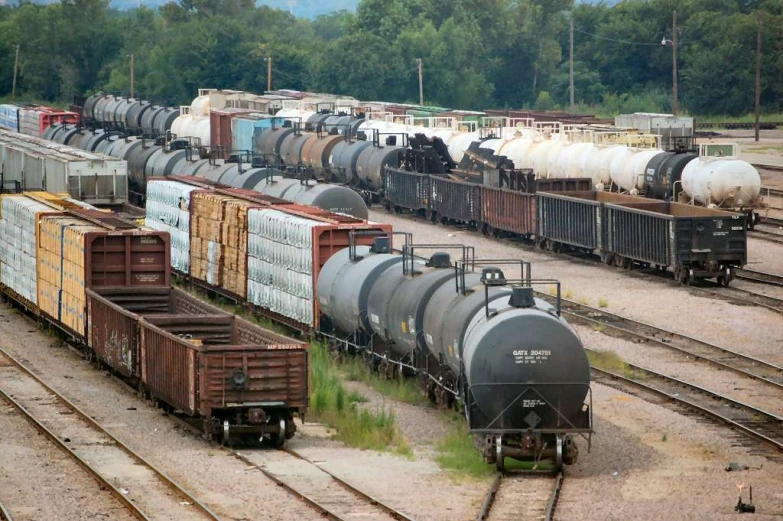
column 119, row 350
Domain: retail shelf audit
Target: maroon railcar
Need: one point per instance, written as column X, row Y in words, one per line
column 240, row 378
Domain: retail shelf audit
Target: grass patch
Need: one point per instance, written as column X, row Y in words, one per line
column 331, row 404
column 610, row 361
column 597, row 326
column 584, row 301
column 458, row 453
column 404, row 390
column 569, row 294
column 665, row 437
column 603, row 303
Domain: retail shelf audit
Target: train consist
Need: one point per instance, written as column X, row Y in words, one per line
column 624, row 231
column 107, row 284
column 516, row 367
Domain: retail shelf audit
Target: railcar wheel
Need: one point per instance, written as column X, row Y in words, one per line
column 558, row 453
column 226, row 433
column 499, row 457
column 279, row 437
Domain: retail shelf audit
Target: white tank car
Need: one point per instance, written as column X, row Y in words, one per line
column 518, row 151
column 459, row 143
column 199, row 107
column 178, row 124
column 627, row 168
column 722, row 181
column 569, row 162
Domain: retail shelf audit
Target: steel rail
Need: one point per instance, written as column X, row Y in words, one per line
column 551, row 506
column 763, row 277
column 740, row 363
column 173, row 485
column 393, row 512
column 492, row 493
column 737, row 424
column 92, row 471
column 4, row 515
column 313, row 503
column 765, row 235
column 747, row 297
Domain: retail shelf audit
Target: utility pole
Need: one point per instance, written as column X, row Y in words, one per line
column 674, row 64
column 758, row 81
column 268, row 73
column 16, row 71
column 571, row 62
column 132, row 77
column 421, row 83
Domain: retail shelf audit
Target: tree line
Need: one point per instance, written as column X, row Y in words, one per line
column 476, row 54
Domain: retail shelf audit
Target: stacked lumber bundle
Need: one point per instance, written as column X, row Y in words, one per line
column 62, row 262
column 219, row 240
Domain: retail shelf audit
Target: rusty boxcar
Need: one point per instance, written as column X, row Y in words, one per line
column 240, row 378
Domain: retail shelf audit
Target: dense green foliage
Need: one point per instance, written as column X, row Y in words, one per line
column 476, row 53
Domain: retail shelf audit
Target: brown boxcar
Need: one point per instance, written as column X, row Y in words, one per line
column 507, row 211
column 113, row 320
column 238, row 377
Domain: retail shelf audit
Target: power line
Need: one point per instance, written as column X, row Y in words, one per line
column 626, row 42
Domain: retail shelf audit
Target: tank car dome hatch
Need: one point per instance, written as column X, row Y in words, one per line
column 530, row 345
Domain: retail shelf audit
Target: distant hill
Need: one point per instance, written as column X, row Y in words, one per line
column 301, row 8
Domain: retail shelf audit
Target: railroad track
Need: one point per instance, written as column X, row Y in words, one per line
column 712, row 354
column 735, row 295
column 742, row 296
column 146, row 491
column 773, row 168
column 758, row 426
column 766, row 233
column 521, row 496
column 759, row 276
column 329, row 495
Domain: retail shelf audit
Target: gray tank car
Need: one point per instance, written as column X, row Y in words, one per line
column 514, row 366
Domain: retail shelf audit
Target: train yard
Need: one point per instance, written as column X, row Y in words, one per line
column 668, row 388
